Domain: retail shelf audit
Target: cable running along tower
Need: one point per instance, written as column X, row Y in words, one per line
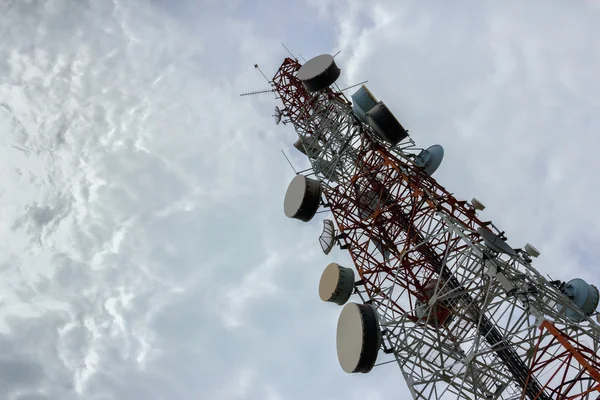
column 435, row 287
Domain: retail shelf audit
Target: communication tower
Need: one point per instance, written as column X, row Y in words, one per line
column 433, row 286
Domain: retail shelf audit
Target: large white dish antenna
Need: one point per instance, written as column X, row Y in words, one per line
column 319, row 73
column 358, row 338
column 303, row 198
column 336, row 284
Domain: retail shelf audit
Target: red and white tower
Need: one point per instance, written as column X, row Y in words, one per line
column 433, row 285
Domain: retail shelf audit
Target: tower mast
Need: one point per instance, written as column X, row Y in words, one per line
column 464, row 314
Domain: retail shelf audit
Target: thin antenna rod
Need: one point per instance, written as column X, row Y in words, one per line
column 289, row 162
column 337, row 53
column 288, row 50
column 301, row 56
column 257, row 92
column 258, row 68
column 384, row 363
column 350, row 87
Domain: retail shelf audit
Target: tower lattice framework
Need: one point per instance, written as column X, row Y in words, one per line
column 461, row 320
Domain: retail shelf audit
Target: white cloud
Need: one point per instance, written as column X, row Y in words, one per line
column 144, row 249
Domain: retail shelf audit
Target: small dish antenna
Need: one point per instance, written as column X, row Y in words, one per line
column 495, row 243
column 277, row 115
column 478, row 205
column 585, row 296
column 430, row 159
column 532, row 251
column 327, row 238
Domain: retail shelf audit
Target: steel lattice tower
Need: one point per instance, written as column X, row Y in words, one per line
column 463, row 314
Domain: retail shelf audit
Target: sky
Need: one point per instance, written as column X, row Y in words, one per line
column 143, row 246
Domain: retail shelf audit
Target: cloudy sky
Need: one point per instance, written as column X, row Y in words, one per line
column 143, row 247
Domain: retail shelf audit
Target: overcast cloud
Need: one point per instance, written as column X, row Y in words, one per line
column 143, row 246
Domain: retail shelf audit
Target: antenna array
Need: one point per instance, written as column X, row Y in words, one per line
column 434, row 287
